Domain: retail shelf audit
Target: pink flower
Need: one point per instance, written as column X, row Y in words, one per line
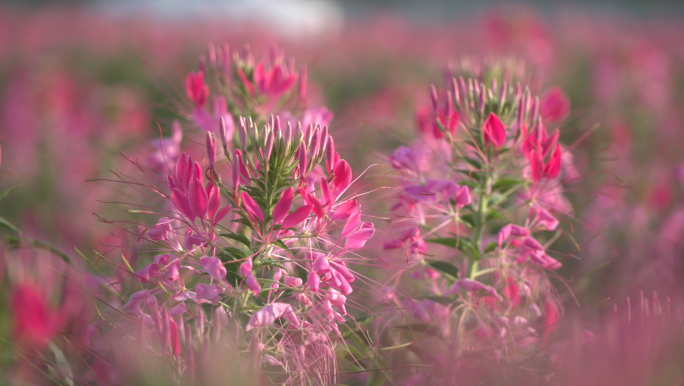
column 253, row 284
column 206, row 291
column 196, row 90
column 511, row 230
column 161, row 230
column 273, row 82
column 282, row 207
column 494, row 131
column 251, row 207
column 246, row 267
column 548, row 170
column 292, row 281
column 342, row 178
column 313, row 280
column 213, row 266
column 33, row 322
column 473, row 286
column 295, row 218
column 555, row 105
column 318, row 115
column 448, row 118
column 411, row 240
column 320, row 264
column 269, row 314
column 358, row 238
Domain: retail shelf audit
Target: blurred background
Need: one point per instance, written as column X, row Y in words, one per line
column 83, row 81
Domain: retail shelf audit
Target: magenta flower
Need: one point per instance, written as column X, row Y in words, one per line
column 555, row 105
column 493, row 131
column 269, row 314
column 196, row 90
column 34, row 323
column 251, row 207
column 213, row 267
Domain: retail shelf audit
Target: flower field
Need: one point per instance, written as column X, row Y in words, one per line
column 496, row 199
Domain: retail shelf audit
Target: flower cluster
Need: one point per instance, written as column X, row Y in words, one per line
column 266, row 254
column 484, row 185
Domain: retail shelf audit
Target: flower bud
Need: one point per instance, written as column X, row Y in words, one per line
column 288, row 136
column 454, row 91
column 302, row 160
column 324, row 140
column 315, row 143
column 302, row 84
column 277, row 126
column 482, row 98
column 330, row 153
column 535, row 109
column 494, row 131
column 268, row 148
column 237, row 161
column 243, row 133
column 225, row 58
column 226, row 132
column 434, row 98
column 211, row 146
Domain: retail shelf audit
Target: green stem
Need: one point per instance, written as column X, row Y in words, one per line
column 480, row 225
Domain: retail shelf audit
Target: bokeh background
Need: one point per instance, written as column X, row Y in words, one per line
column 83, row 81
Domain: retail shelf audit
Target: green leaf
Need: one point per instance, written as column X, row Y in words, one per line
column 8, row 191
column 12, row 241
column 231, row 253
column 396, row 347
column 244, row 222
column 469, row 183
column 468, row 219
column 375, row 378
column 444, row 267
column 232, row 275
column 505, row 184
column 16, row 242
column 473, row 162
column 470, row 173
column 47, row 247
column 268, row 262
column 237, row 237
column 491, row 246
column 493, row 213
column 61, row 368
column 466, row 246
column 281, row 244
column 9, row 225
column 496, row 198
column 449, row 242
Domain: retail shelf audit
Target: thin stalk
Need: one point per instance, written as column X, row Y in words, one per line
column 480, row 224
